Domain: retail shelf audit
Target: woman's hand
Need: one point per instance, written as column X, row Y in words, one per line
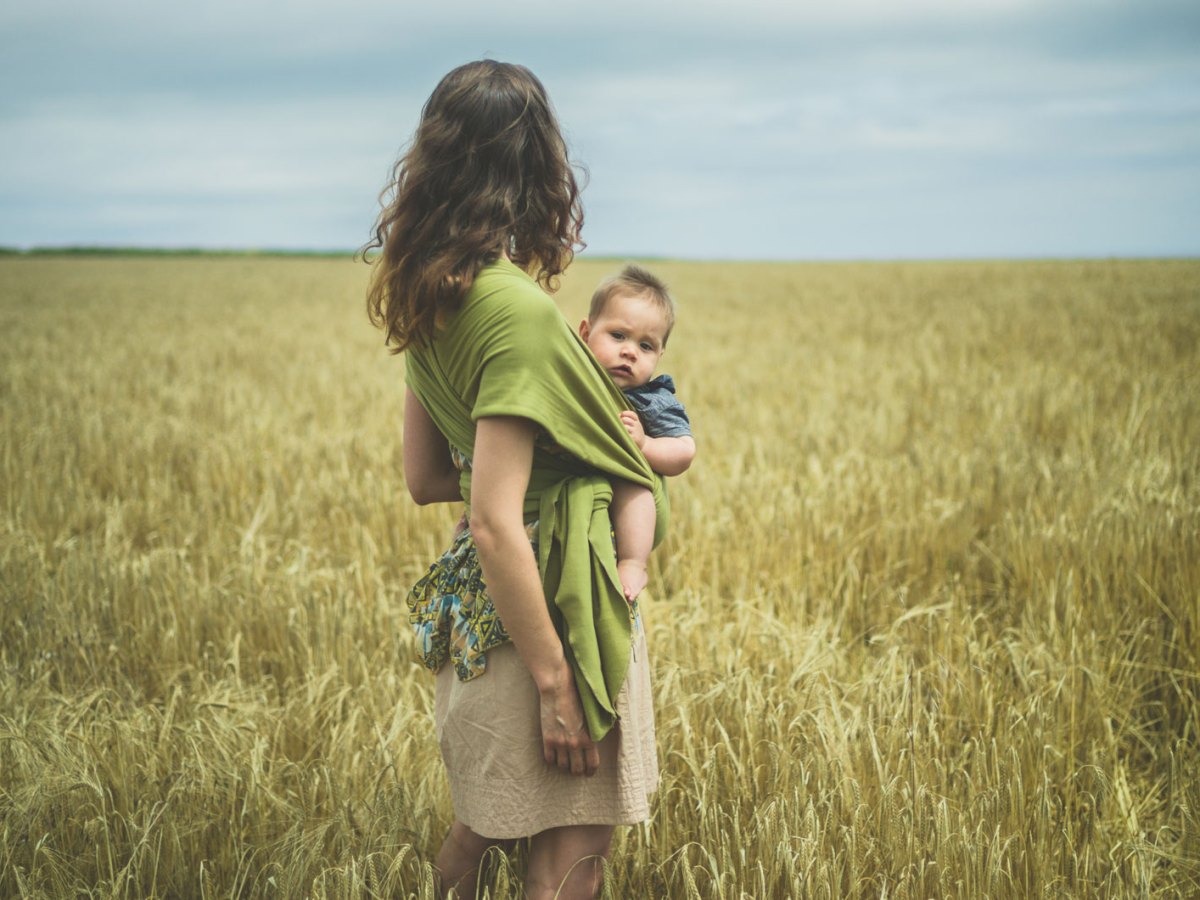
column 565, row 739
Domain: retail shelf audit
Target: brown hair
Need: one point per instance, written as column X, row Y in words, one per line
column 487, row 172
column 634, row 281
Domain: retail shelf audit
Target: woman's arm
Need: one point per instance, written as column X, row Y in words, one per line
column 501, row 464
column 428, row 470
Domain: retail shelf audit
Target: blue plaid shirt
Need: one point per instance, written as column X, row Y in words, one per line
column 661, row 412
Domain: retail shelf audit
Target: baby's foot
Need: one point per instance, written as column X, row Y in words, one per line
column 633, row 578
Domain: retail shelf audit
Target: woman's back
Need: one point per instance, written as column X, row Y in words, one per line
column 508, row 351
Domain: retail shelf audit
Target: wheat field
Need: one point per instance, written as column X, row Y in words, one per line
column 927, row 624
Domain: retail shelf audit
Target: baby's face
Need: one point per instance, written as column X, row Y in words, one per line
column 627, row 338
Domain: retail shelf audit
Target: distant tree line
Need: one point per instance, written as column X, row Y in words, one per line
column 88, row 250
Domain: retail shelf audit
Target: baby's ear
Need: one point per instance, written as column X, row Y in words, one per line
column 585, row 329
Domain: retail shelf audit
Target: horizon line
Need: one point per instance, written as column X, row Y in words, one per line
column 8, row 250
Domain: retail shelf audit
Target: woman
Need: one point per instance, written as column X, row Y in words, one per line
column 543, row 711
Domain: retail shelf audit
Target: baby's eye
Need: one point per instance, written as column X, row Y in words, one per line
column 617, row 335
column 647, row 346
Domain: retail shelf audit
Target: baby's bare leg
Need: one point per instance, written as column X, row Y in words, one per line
column 633, row 518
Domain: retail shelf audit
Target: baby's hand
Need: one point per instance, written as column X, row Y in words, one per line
column 634, row 426
column 633, row 578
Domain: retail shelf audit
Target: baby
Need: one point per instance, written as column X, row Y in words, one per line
column 627, row 327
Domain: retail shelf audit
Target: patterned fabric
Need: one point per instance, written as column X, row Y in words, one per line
column 452, row 614
column 661, row 412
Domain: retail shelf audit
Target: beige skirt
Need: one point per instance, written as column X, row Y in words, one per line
column 491, row 742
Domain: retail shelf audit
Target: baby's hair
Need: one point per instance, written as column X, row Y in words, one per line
column 634, row 281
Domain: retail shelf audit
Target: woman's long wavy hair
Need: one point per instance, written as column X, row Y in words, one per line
column 486, row 173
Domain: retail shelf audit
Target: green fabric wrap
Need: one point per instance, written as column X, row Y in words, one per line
column 508, row 351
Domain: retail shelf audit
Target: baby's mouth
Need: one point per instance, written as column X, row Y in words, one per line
column 621, row 370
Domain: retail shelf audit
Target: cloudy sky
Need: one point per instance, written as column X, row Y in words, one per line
column 766, row 129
